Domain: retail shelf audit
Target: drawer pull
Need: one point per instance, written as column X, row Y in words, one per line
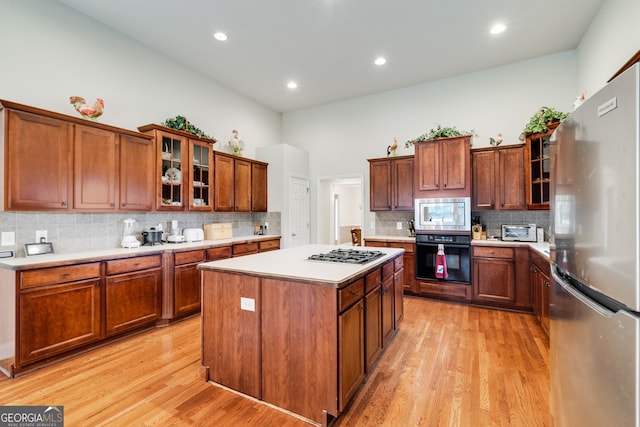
column 355, row 294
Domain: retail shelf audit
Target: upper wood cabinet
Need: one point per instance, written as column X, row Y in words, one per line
column 258, row 187
column 38, row 174
column 538, row 169
column 443, row 168
column 391, row 184
column 137, row 173
column 498, row 178
column 59, row 162
column 95, row 169
column 240, row 184
column 184, row 165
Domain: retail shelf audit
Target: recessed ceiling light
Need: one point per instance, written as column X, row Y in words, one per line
column 220, row 36
column 497, row 29
column 292, row 85
column 380, row 61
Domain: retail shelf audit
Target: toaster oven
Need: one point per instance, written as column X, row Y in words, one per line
column 519, row 233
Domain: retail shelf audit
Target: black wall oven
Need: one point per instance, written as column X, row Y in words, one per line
column 457, row 249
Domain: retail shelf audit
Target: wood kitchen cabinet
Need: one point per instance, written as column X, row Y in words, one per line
column 540, row 279
column 391, row 184
column 240, row 184
column 498, row 178
column 133, row 295
column 398, row 291
column 184, row 169
column 538, row 168
column 62, row 163
column 186, row 290
column 95, row 169
column 443, row 168
column 200, row 176
column 373, row 320
column 137, row 173
column 500, row 276
column 259, row 187
column 388, row 302
column 38, row 174
column 59, row 309
column 351, row 330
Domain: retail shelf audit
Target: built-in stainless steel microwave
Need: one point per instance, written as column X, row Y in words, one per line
column 453, row 214
column 519, row 233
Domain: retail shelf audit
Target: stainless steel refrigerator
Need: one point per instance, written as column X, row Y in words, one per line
column 595, row 300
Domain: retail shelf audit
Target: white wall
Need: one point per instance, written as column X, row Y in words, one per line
column 50, row 52
column 612, row 38
column 341, row 136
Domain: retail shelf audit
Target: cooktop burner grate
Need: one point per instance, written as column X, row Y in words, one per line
column 351, row 256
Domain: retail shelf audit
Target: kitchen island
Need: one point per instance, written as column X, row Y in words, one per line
column 295, row 333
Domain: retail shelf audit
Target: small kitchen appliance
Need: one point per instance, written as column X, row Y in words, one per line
column 129, row 239
column 175, row 235
column 519, row 233
column 443, row 214
column 152, row 237
column 193, row 234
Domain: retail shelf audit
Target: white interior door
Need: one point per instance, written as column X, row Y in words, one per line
column 298, row 230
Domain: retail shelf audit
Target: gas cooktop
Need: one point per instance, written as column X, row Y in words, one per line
column 351, row 256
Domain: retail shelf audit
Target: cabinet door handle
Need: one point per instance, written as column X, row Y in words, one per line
column 63, row 203
column 98, row 283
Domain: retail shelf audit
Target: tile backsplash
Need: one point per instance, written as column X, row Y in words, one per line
column 492, row 220
column 77, row 232
column 386, row 222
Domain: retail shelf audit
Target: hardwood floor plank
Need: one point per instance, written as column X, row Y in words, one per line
column 449, row 365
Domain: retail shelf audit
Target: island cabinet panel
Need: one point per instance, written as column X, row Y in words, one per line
column 299, row 347
column 231, row 335
column 38, row 174
column 388, row 302
column 351, row 352
column 372, row 323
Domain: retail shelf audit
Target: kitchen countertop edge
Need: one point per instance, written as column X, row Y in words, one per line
column 62, row 259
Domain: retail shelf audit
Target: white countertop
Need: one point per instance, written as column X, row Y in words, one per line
column 384, row 238
column 38, row 261
column 292, row 263
column 542, row 248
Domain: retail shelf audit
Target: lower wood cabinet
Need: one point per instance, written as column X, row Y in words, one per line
column 388, row 302
column 540, row 279
column 373, row 319
column 59, row 309
column 500, row 276
column 187, row 281
column 408, row 259
column 351, row 347
column 134, row 293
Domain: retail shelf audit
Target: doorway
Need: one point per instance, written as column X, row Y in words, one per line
column 340, row 208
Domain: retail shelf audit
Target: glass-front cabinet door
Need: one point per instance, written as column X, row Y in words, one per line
column 173, row 172
column 200, row 175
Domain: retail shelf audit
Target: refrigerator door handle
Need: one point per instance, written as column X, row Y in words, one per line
column 580, row 296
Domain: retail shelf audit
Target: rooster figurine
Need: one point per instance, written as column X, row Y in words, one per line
column 391, row 150
column 87, row 111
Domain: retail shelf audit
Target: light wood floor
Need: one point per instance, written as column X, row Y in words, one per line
column 449, row 365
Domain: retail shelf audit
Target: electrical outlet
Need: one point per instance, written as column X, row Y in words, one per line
column 41, row 236
column 399, row 225
column 266, row 225
column 8, row 238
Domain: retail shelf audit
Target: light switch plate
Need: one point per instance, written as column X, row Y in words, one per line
column 399, row 225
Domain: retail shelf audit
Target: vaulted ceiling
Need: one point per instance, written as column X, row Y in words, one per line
column 328, row 47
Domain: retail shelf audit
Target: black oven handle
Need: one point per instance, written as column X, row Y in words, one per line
column 450, row 245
